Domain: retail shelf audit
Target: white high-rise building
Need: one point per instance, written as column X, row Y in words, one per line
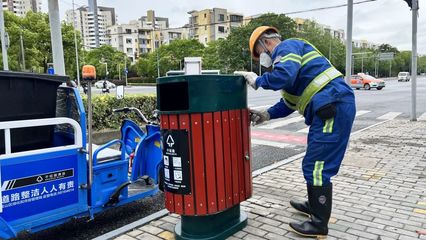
column 84, row 23
column 21, row 7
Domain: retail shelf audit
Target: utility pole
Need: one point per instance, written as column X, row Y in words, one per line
column 76, row 46
column 125, row 66
column 3, row 41
column 349, row 41
column 414, row 10
column 22, row 51
column 56, row 37
column 93, row 7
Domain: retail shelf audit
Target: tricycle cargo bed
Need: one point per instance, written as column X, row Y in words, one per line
column 25, row 96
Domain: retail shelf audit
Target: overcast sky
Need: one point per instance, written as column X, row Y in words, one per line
column 382, row 21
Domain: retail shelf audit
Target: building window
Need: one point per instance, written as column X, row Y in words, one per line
column 205, row 15
column 128, row 40
column 221, row 29
column 205, row 28
column 221, row 17
column 205, row 40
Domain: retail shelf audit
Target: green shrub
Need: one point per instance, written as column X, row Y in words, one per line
column 104, row 118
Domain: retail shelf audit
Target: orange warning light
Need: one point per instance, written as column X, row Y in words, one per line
column 89, row 72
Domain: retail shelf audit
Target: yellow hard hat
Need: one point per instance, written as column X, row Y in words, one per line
column 255, row 35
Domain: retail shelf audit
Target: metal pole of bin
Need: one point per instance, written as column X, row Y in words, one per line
column 206, row 151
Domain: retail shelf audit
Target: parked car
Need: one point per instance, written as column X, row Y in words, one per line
column 403, row 76
column 101, row 84
column 367, row 82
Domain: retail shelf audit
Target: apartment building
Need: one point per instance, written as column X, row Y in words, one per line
column 212, row 24
column 21, row 7
column 131, row 38
column 335, row 33
column 83, row 21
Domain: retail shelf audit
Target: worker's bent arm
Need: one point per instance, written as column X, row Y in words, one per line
column 279, row 110
column 286, row 70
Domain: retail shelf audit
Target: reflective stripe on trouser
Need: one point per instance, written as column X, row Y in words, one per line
column 326, row 150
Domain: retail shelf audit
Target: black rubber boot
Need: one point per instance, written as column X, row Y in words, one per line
column 302, row 207
column 320, row 201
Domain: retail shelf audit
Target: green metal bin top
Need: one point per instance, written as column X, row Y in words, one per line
column 200, row 93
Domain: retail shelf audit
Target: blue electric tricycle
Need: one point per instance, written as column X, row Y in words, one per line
column 46, row 175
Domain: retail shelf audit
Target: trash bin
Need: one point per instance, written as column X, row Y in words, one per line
column 206, row 151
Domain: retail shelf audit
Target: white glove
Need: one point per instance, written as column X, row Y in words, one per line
column 250, row 78
column 258, row 117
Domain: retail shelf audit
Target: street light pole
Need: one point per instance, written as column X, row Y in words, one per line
column 22, row 51
column 414, row 10
column 349, row 41
column 3, row 41
column 76, row 46
column 56, row 36
column 125, row 66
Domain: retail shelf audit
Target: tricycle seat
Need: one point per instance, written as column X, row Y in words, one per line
column 107, row 154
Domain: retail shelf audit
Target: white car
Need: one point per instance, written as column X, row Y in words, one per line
column 100, row 84
column 403, row 76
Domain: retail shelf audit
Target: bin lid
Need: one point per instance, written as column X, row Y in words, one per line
column 200, row 93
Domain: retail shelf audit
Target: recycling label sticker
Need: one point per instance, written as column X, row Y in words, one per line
column 176, row 161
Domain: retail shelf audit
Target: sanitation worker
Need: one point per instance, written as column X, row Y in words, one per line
column 311, row 85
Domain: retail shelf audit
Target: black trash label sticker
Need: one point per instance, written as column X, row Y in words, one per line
column 176, row 161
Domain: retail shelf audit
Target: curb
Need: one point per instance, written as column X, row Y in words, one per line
column 133, row 225
column 256, row 173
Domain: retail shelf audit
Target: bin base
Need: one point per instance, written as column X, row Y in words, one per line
column 216, row 226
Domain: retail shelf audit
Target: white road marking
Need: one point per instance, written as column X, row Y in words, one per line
column 271, row 143
column 389, row 115
column 259, row 107
column 422, row 117
column 282, row 123
column 361, row 112
column 358, row 113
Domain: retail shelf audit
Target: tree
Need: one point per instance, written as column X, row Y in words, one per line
column 234, row 53
column 330, row 47
column 106, row 57
column 35, row 31
column 169, row 57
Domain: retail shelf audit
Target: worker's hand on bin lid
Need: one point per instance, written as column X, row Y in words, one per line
column 249, row 76
column 259, row 116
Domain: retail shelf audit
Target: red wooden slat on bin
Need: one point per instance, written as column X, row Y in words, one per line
column 240, row 159
column 210, row 162
column 220, row 174
column 234, row 157
column 246, row 151
column 198, row 160
column 169, row 202
column 227, row 157
column 178, row 199
column 188, row 200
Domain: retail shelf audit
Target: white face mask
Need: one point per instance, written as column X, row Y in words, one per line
column 265, row 60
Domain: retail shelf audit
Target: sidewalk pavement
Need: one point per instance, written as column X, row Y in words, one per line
column 379, row 193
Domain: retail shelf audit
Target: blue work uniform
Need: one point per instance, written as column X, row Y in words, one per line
column 309, row 82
